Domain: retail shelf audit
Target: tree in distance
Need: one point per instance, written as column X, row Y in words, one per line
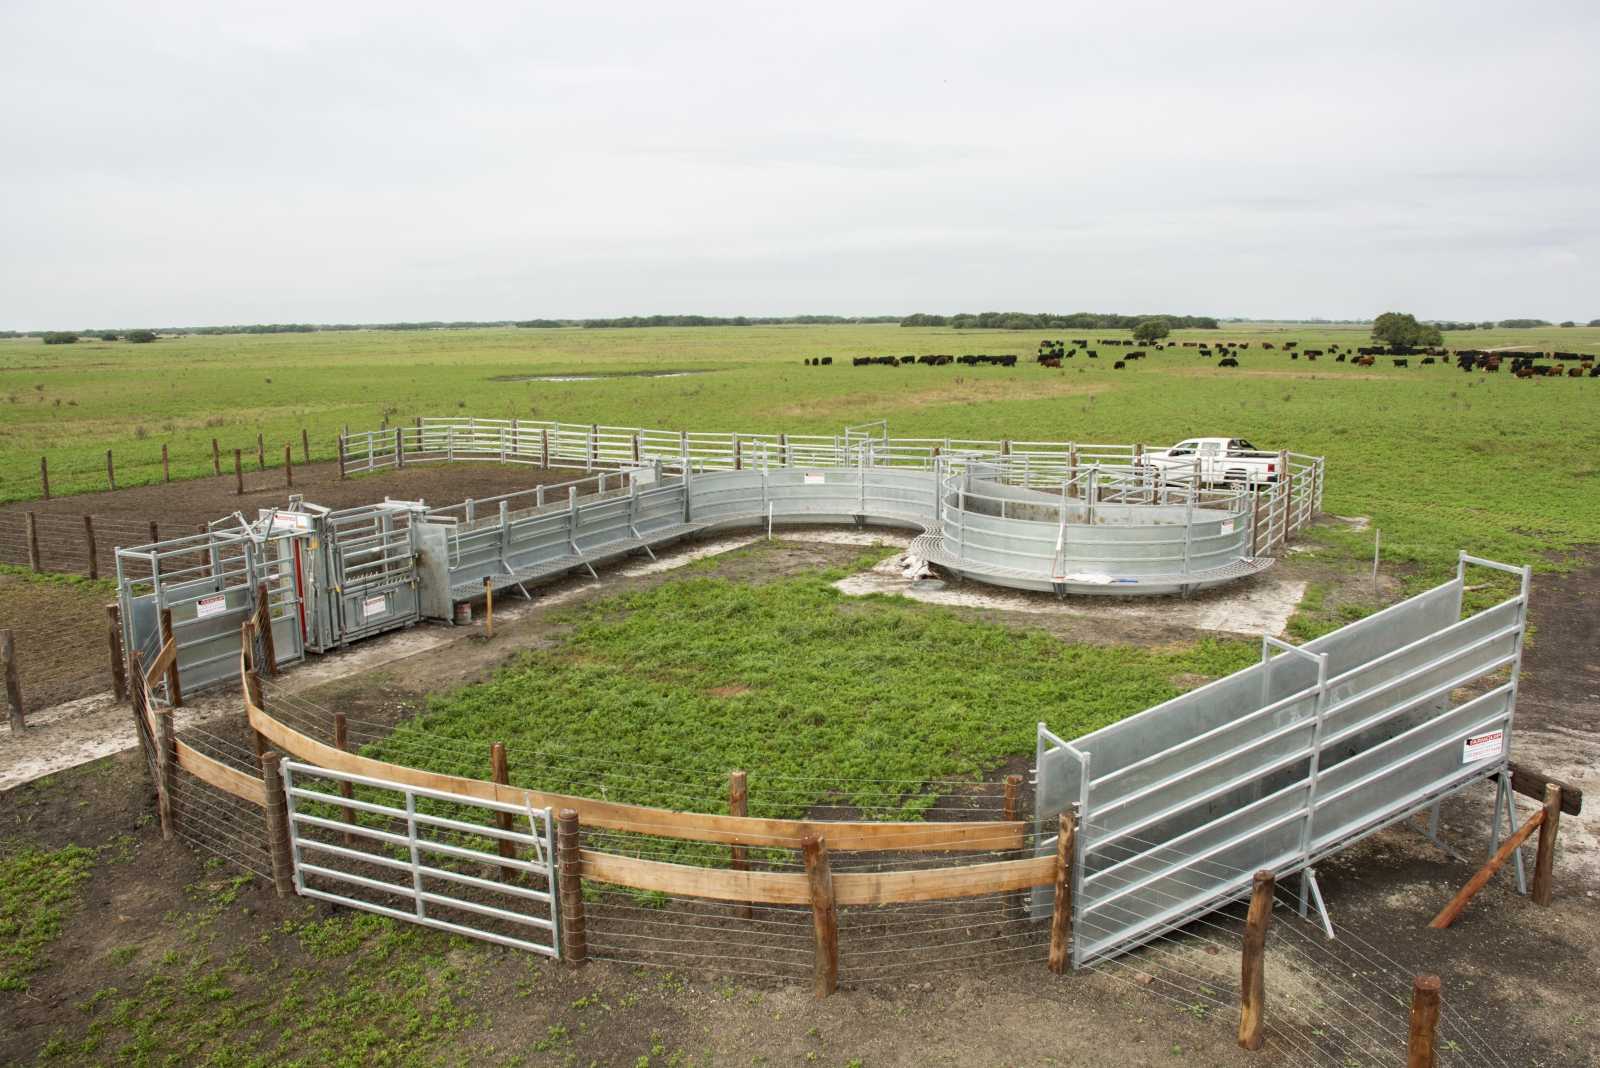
column 1151, row 329
column 141, row 337
column 60, row 337
column 1569, row 322
column 1400, row 329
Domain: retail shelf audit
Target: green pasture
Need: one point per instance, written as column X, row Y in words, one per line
column 653, row 697
column 1440, row 460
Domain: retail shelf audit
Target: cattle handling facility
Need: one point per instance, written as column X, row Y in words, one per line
column 1059, row 517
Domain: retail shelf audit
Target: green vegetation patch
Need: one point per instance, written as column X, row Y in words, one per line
column 653, row 697
column 378, row 993
column 39, row 889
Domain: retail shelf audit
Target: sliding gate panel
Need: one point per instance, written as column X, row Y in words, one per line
column 372, row 570
column 437, row 859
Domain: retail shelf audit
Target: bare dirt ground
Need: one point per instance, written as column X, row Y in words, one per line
column 1522, row 976
column 187, row 504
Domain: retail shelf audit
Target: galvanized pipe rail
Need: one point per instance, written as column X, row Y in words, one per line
column 1282, row 764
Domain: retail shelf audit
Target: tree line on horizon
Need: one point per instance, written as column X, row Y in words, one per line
column 961, row 321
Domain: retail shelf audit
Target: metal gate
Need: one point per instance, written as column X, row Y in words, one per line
column 206, row 585
column 1284, row 763
column 437, row 859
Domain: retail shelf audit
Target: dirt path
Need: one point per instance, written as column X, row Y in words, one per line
column 90, row 724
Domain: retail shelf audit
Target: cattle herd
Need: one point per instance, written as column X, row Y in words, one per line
column 1054, row 350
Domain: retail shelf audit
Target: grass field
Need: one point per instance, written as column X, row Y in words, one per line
column 1440, row 460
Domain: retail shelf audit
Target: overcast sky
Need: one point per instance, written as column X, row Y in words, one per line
column 173, row 163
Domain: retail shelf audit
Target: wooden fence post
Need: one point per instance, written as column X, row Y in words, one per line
column 8, row 662
column 30, row 524
column 111, row 471
column 738, row 856
column 544, row 447
column 500, row 772
column 1544, row 863
column 44, row 477
column 341, row 457
column 824, row 916
column 119, row 680
column 1061, row 913
column 1424, row 1021
column 574, row 934
column 1252, row 976
column 238, row 471
column 488, row 607
column 288, row 465
column 88, row 545
column 155, row 532
column 166, row 760
column 166, row 469
column 174, row 683
column 216, row 458
column 261, row 451
column 277, row 808
column 305, row 445
column 341, row 742
column 252, row 685
column 264, row 624
column 137, row 700
column 399, row 448
column 1009, row 809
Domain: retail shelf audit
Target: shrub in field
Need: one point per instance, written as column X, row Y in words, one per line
column 1151, row 329
column 1401, row 329
column 60, row 337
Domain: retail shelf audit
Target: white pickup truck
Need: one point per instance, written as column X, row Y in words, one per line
column 1223, row 461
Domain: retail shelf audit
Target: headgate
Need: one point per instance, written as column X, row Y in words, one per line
column 1283, row 763
column 362, row 577
column 437, row 859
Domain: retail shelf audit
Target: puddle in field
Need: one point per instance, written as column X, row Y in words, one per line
column 596, row 377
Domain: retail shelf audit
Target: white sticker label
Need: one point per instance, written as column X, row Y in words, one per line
column 374, row 606
column 643, row 476
column 815, row 478
column 1483, row 746
column 1227, row 526
column 214, row 605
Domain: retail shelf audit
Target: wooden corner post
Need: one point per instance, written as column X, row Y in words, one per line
column 574, row 932
column 1061, row 912
column 166, row 762
column 1424, row 1021
column 738, row 856
column 278, row 823
column 824, row 916
column 174, row 682
column 1252, row 973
